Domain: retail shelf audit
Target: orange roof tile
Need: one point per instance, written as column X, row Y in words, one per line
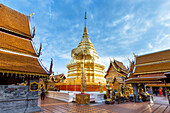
column 158, row 67
column 120, row 64
column 16, row 44
column 13, row 62
column 144, row 79
column 119, row 70
column 153, row 57
column 13, row 20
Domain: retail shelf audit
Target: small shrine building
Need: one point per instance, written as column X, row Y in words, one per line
column 148, row 70
column 20, row 66
column 118, row 71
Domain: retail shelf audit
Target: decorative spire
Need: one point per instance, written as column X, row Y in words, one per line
column 85, row 34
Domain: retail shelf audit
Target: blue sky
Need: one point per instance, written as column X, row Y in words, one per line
column 116, row 27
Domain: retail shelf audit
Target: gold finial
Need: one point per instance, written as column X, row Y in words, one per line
column 31, row 14
column 85, row 16
column 85, row 34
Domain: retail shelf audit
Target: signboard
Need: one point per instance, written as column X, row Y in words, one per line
column 34, row 86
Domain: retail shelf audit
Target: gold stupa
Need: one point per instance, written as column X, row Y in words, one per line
column 85, row 61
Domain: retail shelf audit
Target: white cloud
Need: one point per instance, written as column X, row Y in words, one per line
column 128, row 17
column 123, row 19
column 126, row 27
column 150, row 45
column 108, row 39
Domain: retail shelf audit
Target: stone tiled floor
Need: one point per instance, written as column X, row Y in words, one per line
column 55, row 106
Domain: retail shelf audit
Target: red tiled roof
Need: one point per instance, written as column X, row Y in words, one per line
column 13, row 20
column 16, row 44
column 13, row 62
column 153, row 57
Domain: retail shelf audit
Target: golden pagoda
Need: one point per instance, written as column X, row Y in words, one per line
column 84, row 61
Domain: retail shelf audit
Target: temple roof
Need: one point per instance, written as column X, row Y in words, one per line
column 120, row 68
column 153, row 68
column 16, row 44
column 153, row 57
column 19, row 63
column 120, row 65
column 17, row 54
column 14, row 21
column 153, row 63
column 144, row 79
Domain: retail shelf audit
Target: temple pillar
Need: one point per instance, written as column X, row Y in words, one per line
column 144, row 87
column 135, row 91
column 150, row 90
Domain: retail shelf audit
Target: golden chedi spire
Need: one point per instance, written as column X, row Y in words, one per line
column 85, row 34
column 85, row 61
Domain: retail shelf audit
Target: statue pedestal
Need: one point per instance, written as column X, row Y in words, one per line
column 83, row 98
column 109, row 101
column 140, row 100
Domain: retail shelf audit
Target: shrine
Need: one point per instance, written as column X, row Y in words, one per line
column 148, row 71
column 20, row 66
column 116, row 75
column 116, row 70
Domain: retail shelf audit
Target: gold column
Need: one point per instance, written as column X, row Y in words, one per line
column 82, row 76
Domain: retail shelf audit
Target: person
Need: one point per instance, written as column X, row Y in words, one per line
column 163, row 91
column 42, row 93
column 156, row 91
column 160, row 91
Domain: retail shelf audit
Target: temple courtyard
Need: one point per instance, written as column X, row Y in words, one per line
column 55, row 106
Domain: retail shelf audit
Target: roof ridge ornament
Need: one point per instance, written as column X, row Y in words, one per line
column 85, row 34
column 129, row 60
column 134, row 54
column 39, row 53
column 51, row 66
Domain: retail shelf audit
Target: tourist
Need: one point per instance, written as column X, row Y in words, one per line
column 160, row 91
column 156, row 91
column 163, row 91
column 42, row 93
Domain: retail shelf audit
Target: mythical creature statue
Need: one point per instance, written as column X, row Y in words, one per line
column 108, row 89
column 100, row 86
